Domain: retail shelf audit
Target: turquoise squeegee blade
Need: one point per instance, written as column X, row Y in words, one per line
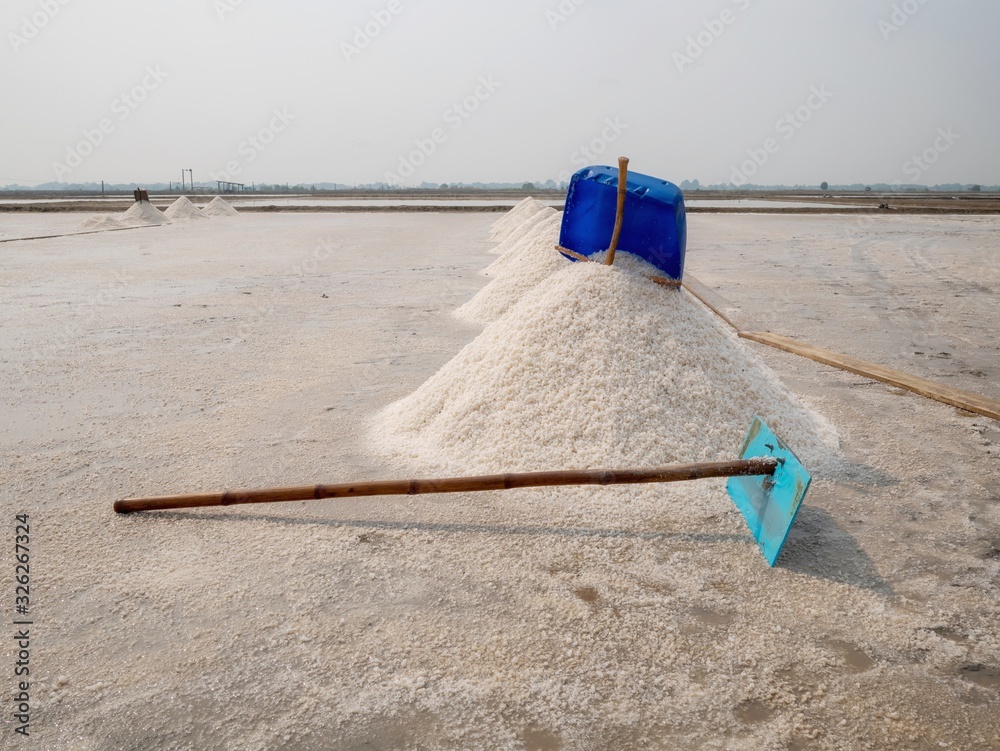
column 769, row 503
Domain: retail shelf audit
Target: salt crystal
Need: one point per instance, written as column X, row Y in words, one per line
column 597, row 367
column 218, row 207
column 143, row 212
column 183, row 210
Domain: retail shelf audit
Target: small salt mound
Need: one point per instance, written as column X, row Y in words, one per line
column 143, row 212
column 100, row 222
column 514, row 211
column 517, row 272
column 599, row 367
column 541, row 237
column 217, row 207
column 183, row 210
column 501, row 224
column 516, row 218
column 523, row 229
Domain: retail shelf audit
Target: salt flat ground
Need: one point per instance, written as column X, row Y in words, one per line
column 253, row 351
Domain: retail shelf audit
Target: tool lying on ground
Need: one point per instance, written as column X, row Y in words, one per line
column 767, row 484
column 640, row 214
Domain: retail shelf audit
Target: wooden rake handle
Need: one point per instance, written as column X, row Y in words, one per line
column 756, row 466
column 619, row 209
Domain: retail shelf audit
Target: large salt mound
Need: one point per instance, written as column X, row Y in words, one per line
column 142, row 212
column 218, row 207
column 100, row 222
column 517, row 272
column 183, row 210
column 598, row 367
column 514, row 218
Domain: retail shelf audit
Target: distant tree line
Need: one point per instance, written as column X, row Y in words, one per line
column 685, row 185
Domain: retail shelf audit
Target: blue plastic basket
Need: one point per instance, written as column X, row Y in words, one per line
column 654, row 226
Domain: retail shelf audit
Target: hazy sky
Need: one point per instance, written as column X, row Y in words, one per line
column 769, row 91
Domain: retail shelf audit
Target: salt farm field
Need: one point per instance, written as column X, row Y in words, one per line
column 258, row 350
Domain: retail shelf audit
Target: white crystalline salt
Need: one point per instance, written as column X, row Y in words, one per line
column 143, row 212
column 218, row 207
column 100, row 222
column 516, row 217
column 183, row 210
column 597, row 367
column 517, row 272
column 537, row 237
column 510, row 218
column 524, row 229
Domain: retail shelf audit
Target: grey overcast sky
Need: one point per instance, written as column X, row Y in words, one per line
column 765, row 91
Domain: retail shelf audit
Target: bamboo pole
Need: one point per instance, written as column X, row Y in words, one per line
column 757, row 466
column 620, row 209
column 966, row 400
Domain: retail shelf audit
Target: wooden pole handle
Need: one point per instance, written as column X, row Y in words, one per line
column 764, row 465
column 619, row 209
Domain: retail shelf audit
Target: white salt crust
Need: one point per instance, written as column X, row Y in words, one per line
column 580, row 619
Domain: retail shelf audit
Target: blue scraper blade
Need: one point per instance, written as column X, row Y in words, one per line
column 769, row 503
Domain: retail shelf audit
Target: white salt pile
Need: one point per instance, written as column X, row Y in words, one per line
column 503, row 224
column 100, row 222
column 509, row 222
column 598, row 367
column 526, row 264
column 217, row 207
column 541, row 234
column 143, row 212
column 183, row 210
column 523, row 228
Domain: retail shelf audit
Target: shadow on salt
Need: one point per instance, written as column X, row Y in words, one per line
column 820, row 548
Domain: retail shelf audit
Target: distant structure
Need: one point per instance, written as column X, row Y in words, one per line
column 140, row 195
column 228, row 187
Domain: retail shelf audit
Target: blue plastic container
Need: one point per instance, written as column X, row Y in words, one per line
column 654, row 226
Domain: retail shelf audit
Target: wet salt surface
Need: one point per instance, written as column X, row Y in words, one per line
column 136, row 362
